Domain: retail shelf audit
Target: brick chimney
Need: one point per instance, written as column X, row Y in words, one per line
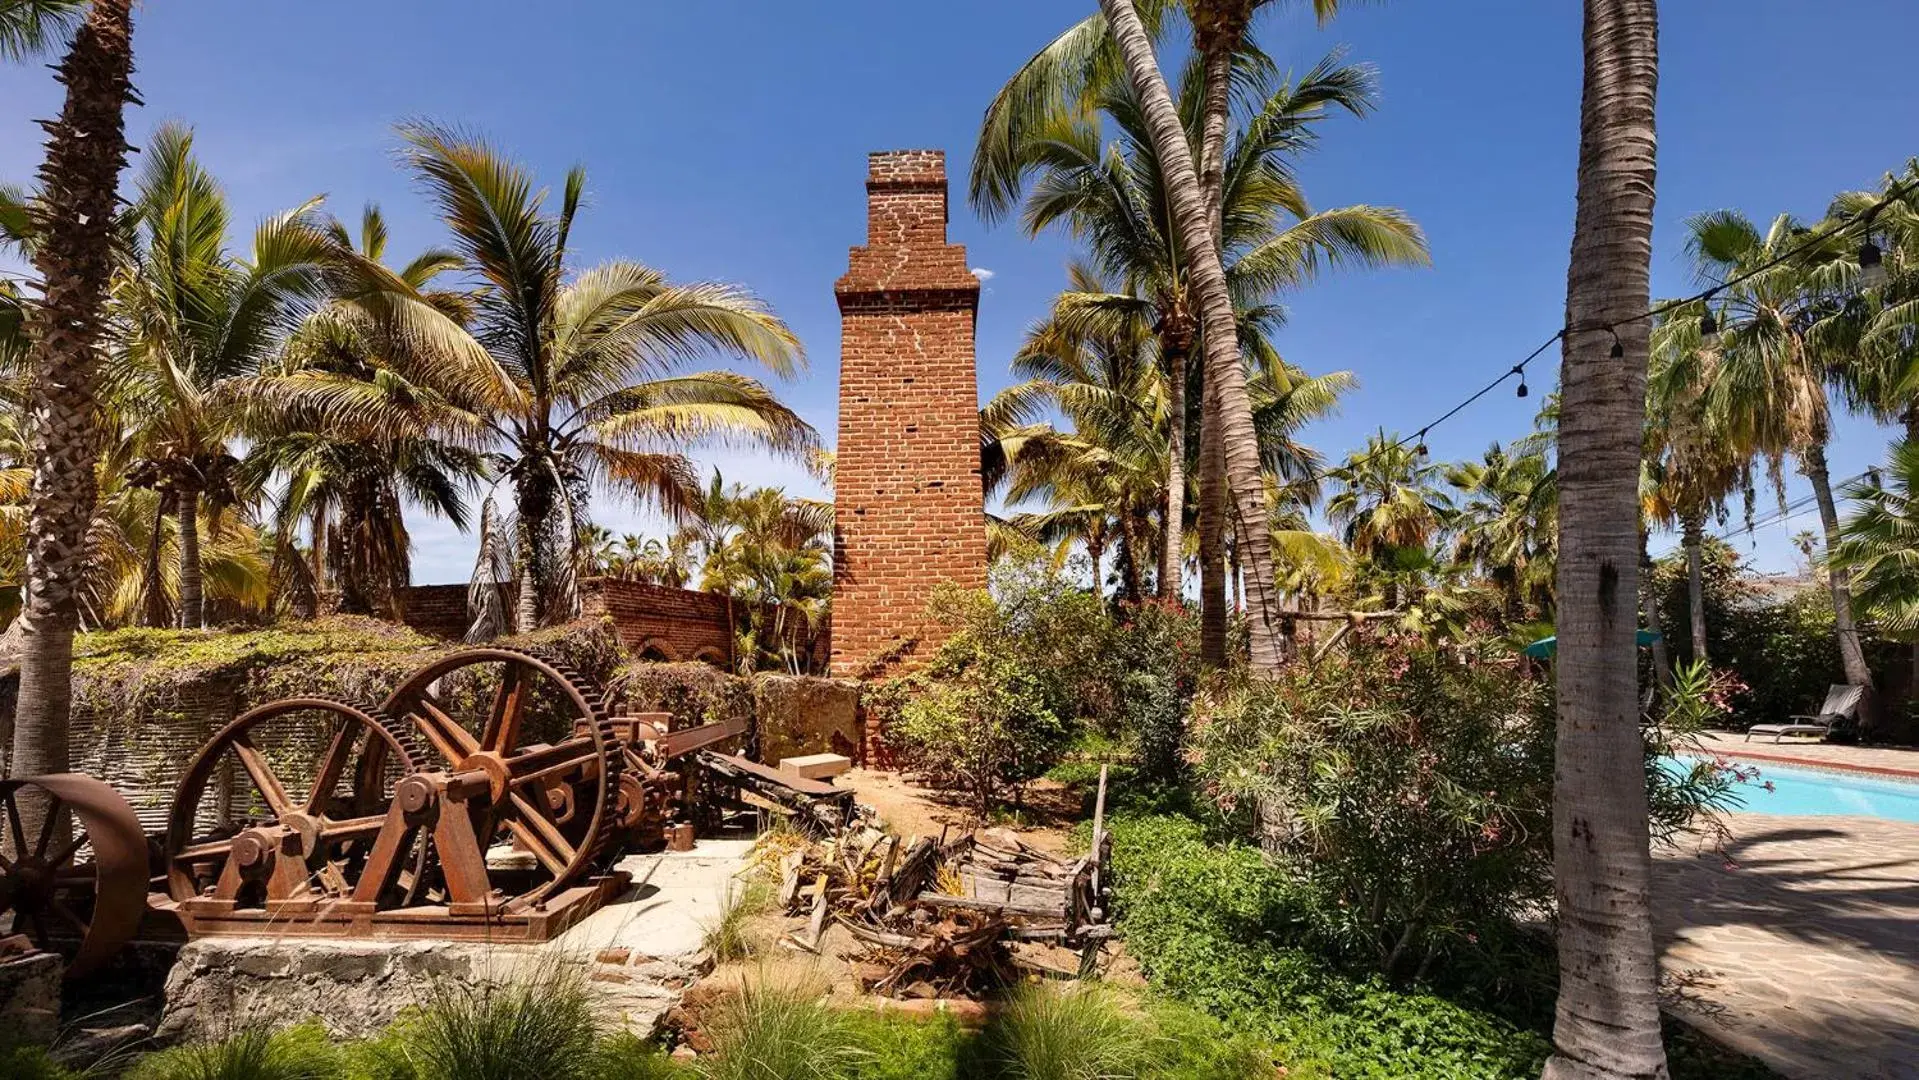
column 909, row 509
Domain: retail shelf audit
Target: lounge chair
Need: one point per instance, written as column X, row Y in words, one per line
column 1842, row 703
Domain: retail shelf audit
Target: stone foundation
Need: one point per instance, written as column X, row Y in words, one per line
column 30, row 998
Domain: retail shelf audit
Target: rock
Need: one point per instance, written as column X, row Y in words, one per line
column 30, row 997
column 614, row 956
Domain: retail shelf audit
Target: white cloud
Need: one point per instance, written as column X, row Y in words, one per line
column 981, row 273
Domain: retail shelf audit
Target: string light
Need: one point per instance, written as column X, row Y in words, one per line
column 1871, row 272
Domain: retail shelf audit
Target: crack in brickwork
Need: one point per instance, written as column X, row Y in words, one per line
column 910, row 512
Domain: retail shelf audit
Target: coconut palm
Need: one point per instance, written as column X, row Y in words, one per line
column 1104, row 376
column 355, row 429
column 1114, row 197
column 1607, row 1016
column 200, row 321
column 1879, row 545
column 1506, row 525
column 594, row 394
column 1768, row 389
column 86, row 149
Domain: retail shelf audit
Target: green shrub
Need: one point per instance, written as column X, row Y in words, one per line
column 981, row 729
column 898, row 1047
column 629, row 1057
column 781, row 1032
column 1408, row 794
column 534, row 1026
column 304, row 1052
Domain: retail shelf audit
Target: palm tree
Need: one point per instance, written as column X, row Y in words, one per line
column 1879, row 546
column 355, row 428
column 1607, row 1017
column 1385, row 504
column 1507, row 524
column 199, row 322
column 1115, row 197
column 592, row 393
column 1872, row 333
column 86, row 149
column 1693, row 463
column 1769, row 386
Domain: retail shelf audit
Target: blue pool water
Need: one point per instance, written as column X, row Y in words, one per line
column 1815, row 792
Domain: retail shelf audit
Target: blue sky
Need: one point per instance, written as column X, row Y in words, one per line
column 727, row 139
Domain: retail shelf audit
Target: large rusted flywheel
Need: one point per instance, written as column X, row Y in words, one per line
column 283, row 805
column 524, row 743
column 78, row 885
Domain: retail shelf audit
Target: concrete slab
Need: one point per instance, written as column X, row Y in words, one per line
column 676, row 895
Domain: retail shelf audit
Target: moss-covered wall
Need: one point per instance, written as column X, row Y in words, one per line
column 792, row 714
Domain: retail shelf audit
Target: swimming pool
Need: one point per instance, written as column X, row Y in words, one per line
column 1815, row 792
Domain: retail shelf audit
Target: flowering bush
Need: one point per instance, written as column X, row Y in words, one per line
column 1407, row 791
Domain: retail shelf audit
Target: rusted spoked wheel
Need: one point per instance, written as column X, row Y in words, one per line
column 285, row 803
column 539, row 732
column 78, row 885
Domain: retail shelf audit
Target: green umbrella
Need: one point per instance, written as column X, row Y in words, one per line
column 1547, row 646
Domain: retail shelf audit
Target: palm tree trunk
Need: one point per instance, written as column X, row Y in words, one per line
column 1096, row 550
column 1607, row 1017
column 1693, row 536
column 1852, row 656
column 86, row 149
column 1851, row 653
column 1219, row 334
column 1213, row 614
column 192, row 605
column 1172, row 556
column 153, row 585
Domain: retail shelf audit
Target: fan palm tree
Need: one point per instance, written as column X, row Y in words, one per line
column 199, row 321
column 356, row 428
column 86, row 150
column 1879, row 545
column 1384, row 500
column 593, row 392
column 1607, row 1016
column 1692, row 463
column 1872, row 333
column 1768, row 389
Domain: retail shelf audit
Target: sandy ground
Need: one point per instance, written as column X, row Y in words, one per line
column 1046, row 821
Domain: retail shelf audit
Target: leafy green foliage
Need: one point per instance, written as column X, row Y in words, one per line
column 1075, row 1035
column 1033, row 665
column 297, row 1053
column 30, row 1063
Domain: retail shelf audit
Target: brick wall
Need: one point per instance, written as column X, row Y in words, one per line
column 659, row 623
column 438, row 610
column 909, row 510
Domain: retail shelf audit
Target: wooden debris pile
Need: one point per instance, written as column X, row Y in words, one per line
column 937, row 917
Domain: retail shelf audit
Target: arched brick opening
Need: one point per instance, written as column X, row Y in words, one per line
column 657, row 651
column 711, row 655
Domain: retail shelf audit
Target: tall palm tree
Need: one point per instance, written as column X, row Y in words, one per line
column 1872, row 333
column 1879, row 545
column 1693, row 461
column 1385, row 504
column 200, row 321
column 1114, row 196
column 86, row 149
column 593, row 393
column 1607, row 1017
column 347, row 473
column 1769, row 384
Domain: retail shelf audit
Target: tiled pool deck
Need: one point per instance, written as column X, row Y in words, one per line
column 1799, row 943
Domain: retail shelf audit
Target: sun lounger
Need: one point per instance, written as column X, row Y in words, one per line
column 1842, row 703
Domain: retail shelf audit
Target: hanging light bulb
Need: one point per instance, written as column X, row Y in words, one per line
column 1708, row 329
column 1520, row 370
column 1872, row 266
column 1618, row 351
column 1421, row 448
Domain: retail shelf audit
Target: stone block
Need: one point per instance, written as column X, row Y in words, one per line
column 30, row 997
column 816, row 766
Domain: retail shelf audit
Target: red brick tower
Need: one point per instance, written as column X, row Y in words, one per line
column 909, row 510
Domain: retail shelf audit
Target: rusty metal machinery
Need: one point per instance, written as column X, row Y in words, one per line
column 78, row 885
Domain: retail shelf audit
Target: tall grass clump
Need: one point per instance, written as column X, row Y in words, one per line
column 1078, row 1034
column 537, row 1027
column 304, row 1052
column 781, row 1032
column 628, row 1057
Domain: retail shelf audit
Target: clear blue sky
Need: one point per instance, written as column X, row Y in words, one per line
column 727, row 139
